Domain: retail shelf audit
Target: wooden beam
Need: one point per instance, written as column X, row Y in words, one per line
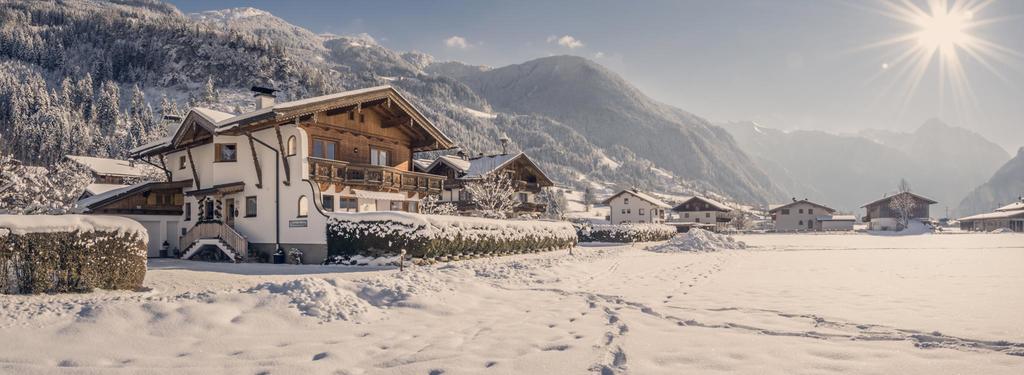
column 390, row 123
column 283, row 152
column 255, row 161
column 192, row 165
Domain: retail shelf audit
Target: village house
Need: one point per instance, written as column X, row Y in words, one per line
column 109, row 174
column 458, row 170
column 257, row 182
column 804, row 215
column 704, row 212
column 1010, row 217
column 881, row 216
column 632, row 206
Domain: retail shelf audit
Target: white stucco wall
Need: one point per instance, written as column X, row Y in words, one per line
column 626, row 208
column 798, row 217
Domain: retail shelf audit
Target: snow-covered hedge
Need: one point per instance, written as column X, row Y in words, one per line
column 70, row 253
column 624, row 232
column 430, row 236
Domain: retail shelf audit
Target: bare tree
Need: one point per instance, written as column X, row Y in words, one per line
column 903, row 204
column 741, row 221
column 494, row 195
column 588, row 198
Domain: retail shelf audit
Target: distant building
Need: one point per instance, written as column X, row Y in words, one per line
column 1010, row 216
column 881, row 216
column 632, row 206
column 528, row 178
column 110, row 174
column 804, row 215
column 703, row 210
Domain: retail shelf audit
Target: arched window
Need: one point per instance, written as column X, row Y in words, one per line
column 291, row 146
column 303, row 206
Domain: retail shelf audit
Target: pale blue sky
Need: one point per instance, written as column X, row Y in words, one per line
column 786, row 64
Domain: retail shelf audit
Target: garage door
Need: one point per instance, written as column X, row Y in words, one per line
column 155, row 239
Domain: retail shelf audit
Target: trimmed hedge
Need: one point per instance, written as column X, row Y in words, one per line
column 380, row 234
column 624, row 232
column 59, row 260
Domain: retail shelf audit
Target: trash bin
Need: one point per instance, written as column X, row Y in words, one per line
column 279, row 256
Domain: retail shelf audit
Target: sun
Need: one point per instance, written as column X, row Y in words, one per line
column 944, row 29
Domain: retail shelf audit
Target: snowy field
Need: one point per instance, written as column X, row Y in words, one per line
column 791, row 304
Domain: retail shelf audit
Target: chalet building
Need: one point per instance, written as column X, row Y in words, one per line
column 267, row 179
column 459, row 171
column 633, row 206
column 1010, row 217
column 881, row 217
column 110, row 174
column 804, row 215
column 700, row 210
column 156, row 205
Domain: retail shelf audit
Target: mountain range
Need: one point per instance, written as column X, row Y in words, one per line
column 584, row 124
column 846, row 171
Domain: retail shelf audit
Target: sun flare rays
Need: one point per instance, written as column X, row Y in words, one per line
column 941, row 36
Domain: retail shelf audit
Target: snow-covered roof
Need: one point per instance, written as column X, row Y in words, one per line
column 837, row 218
column 232, row 120
column 85, row 203
column 422, row 164
column 110, row 167
column 221, row 121
column 1019, row 205
column 713, row 203
column 643, row 196
column 484, row 165
column 777, row 207
column 456, row 163
column 994, row 215
column 889, row 196
column 94, row 189
column 214, row 116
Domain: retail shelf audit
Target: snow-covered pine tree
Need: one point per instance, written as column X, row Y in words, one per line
column 588, row 198
column 494, row 195
column 106, row 114
column 210, row 94
column 66, row 181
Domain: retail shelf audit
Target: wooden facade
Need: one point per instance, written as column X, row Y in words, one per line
column 880, row 209
column 157, row 198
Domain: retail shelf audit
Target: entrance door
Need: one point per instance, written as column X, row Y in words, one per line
column 810, row 224
column 229, row 212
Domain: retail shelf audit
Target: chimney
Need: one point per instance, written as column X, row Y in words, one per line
column 504, row 143
column 793, row 198
column 264, row 96
column 461, row 154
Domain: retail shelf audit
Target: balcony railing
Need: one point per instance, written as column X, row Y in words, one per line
column 345, row 173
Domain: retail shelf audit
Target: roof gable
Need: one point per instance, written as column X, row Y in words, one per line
column 793, row 203
column 718, row 206
column 642, row 196
column 887, row 198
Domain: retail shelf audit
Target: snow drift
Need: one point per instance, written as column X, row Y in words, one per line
column 699, row 240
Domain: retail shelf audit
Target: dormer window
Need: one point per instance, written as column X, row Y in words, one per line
column 226, row 152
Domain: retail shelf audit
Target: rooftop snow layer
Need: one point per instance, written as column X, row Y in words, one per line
column 110, row 167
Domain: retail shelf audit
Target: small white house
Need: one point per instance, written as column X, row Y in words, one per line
column 633, row 206
column 701, row 210
column 804, row 215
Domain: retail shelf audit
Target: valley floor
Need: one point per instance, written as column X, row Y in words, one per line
column 793, row 304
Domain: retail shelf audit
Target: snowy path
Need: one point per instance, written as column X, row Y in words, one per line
column 794, row 304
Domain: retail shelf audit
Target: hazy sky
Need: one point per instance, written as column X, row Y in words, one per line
column 786, row 64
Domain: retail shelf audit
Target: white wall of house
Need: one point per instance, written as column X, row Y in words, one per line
column 798, row 217
column 160, row 228
column 627, row 208
column 885, row 223
column 703, row 217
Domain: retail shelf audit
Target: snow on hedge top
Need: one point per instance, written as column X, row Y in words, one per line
column 22, row 224
column 448, row 227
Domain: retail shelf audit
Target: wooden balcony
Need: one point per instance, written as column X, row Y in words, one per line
column 375, row 176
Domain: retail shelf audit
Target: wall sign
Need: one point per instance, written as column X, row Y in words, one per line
column 298, row 223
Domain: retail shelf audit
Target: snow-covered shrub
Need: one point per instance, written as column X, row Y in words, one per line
column 70, row 253
column 432, row 205
column 294, row 256
column 377, row 234
column 639, row 232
